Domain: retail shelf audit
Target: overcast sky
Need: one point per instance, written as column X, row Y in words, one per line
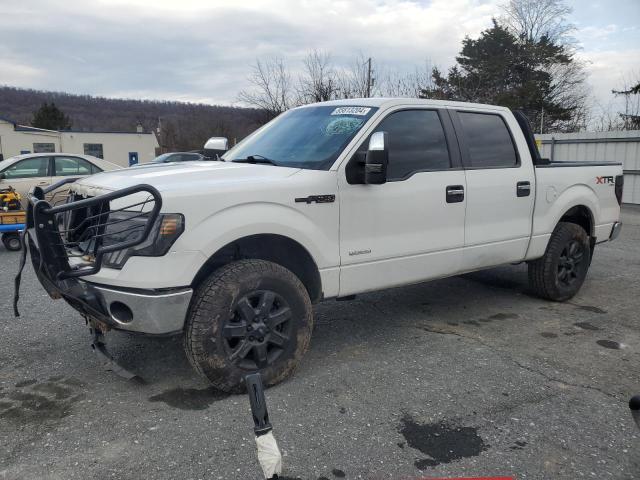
column 201, row 50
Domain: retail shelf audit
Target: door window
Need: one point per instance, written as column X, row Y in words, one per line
column 416, row 143
column 69, row 166
column 488, row 140
column 29, row 168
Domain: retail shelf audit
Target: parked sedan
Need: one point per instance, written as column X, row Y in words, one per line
column 23, row 172
column 179, row 157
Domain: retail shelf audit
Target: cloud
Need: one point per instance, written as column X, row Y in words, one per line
column 202, row 50
column 611, row 70
column 197, row 50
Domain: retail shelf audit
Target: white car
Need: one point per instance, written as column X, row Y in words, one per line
column 23, row 172
column 326, row 201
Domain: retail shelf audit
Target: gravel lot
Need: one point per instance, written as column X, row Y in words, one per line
column 468, row 376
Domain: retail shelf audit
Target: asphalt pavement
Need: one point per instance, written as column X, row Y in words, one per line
column 466, row 376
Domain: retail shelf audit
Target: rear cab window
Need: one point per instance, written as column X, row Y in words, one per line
column 487, row 140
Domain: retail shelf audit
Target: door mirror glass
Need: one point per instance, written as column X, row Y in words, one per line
column 375, row 168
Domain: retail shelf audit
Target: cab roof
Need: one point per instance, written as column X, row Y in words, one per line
column 386, row 102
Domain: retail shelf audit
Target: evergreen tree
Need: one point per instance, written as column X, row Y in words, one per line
column 50, row 117
column 499, row 68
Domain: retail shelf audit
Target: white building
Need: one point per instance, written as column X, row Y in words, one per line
column 121, row 148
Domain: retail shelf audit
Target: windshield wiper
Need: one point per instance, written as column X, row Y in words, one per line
column 255, row 159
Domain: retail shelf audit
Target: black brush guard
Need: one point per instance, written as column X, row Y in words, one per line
column 86, row 230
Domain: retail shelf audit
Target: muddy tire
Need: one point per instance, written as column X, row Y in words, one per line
column 561, row 272
column 248, row 316
column 11, row 241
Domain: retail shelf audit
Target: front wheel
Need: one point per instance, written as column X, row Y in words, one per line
column 11, row 241
column 561, row 272
column 248, row 316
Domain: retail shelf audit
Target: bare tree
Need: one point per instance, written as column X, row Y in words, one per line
column 271, row 87
column 353, row 81
column 630, row 91
column 533, row 19
column 319, row 81
column 546, row 21
column 408, row 84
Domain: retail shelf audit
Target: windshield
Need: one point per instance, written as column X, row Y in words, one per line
column 309, row 137
column 162, row 158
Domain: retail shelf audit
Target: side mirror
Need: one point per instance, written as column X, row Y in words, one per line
column 377, row 159
column 216, row 146
column 3, row 176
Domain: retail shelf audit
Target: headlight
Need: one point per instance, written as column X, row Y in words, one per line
column 123, row 226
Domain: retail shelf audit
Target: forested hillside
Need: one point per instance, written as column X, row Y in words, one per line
column 184, row 126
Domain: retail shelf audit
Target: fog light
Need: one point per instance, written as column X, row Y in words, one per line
column 120, row 312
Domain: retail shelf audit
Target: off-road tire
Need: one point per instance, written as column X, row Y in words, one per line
column 546, row 274
column 11, row 241
column 215, row 314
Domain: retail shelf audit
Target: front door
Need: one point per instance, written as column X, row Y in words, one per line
column 500, row 189
column 411, row 228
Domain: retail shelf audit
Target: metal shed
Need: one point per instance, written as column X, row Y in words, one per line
column 622, row 146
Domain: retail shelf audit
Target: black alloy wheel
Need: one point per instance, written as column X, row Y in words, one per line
column 259, row 330
column 569, row 263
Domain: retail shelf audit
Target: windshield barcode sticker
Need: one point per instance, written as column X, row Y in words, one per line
column 362, row 111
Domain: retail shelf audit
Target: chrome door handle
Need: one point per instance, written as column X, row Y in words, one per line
column 523, row 189
column 455, row 194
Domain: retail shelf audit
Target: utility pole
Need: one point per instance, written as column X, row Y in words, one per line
column 626, row 94
column 541, row 119
column 369, row 79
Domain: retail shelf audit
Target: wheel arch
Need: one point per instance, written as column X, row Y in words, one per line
column 580, row 215
column 271, row 247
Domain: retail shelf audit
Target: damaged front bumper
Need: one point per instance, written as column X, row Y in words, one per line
column 69, row 241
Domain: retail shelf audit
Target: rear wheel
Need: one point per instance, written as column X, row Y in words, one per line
column 11, row 241
column 561, row 272
column 248, row 316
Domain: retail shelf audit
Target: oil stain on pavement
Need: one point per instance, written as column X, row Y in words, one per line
column 491, row 318
column 189, row 398
column 37, row 402
column 587, row 326
column 609, row 344
column 443, row 442
column 589, row 308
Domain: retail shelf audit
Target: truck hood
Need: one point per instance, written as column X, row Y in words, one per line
column 191, row 176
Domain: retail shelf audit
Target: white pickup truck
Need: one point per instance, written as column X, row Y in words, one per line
column 326, row 201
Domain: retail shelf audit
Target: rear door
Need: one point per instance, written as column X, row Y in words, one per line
column 26, row 174
column 500, row 186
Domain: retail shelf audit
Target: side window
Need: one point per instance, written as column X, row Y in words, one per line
column 29, row 168
column 488, row 140
column 416, row 142
column 93, row 149
column 69, row 166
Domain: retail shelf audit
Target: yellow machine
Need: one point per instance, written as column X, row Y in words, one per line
column 12, row 218
column 9, row 199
